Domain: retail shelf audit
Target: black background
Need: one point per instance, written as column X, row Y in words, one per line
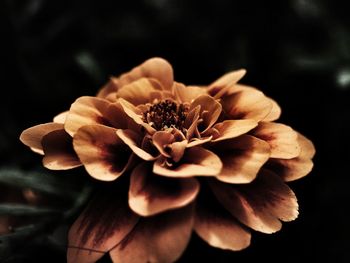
column 297, row 52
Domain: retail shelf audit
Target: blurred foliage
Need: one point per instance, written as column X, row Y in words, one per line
column 296, row 51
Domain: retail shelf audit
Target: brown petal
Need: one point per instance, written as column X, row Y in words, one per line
column 151, row 194
column 195, row 162
column 93, row 110
column 156, row 68
column 296, row 168
column 112, row 86
column 177, row 150
column 103, row 154
column 210, row 111
column 187, row 94
column 61, row 118
column 282, row 139
column 161, row 139
column 59, row 152
column 197, row 141
column 162, row 238
column 247, row 104
column 101, row 227
column 192, row 121
column 259, row 204
column 140, row 91
column 275, row 112
column 231, row 128
column 33, row 136
column 242, row 158
column 218, row 227
column 221, row 86
column 133, row 140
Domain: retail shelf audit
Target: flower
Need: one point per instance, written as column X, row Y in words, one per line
column 174, row 159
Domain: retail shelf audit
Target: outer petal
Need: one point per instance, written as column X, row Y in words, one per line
column 247, row 104
column 61, row 118
column 59, row 152
column 33, row 136
column 259, row 204
column 296, row 168
column 156, row 68
column 275, row 112
column 111, row 87
column 101, row 227
column 218, row 227
column 161, row 238
column 151, row 194
column 283, row 140
column 186, row 94
column 93, row 110
column 242, row 158
column 103, row 154
column 196, row 161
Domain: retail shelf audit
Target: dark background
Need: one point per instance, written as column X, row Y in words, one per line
column 297, row 52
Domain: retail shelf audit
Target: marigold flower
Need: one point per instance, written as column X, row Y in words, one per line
column 177, row 158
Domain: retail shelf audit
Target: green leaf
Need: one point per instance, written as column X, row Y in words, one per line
column 25, row 210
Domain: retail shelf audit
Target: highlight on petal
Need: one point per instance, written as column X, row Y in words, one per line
column 162, row 238
column 298, row 167
column 275, row 112
column 242, row 158
column 217, row 226
column 282, row 139
column 61, row 118
column 247, row 104
column 156, row 68
column 186, row 94
column 33, row 136
column 151, row 194
column 59, row 152
column 103, row 153
column 196, row 161
column 102, row 226
column 221, row 86
column 261, row 204
column 231, row 128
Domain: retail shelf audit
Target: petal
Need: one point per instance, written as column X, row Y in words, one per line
column 33, row 136
column 162, row 238
column 156, row 68
column 221, row 86
column 259, row 204
column 140, row 91
column 112, row 86
column 197, row 141
column 247, row 104
column 161, row 139
column 218, row 227
column 275, row 112
column 296, row 168
column 195, row 162
column 59, row 152
column 177, row 150
column 61, row 118
column 192, row 121
column 133, row 140
column 186, row 94
column 93, row 110
column 103, row 154
column 232, row 128
column 242, row 158
column 101, row 227
column 282, row 139
column 210, row 111
column 151, row 194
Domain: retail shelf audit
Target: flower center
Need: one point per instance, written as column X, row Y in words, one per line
column 166, row 114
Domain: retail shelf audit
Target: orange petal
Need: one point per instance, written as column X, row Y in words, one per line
column 282, row 139
column 231, row 128
column 103, row 154
column 177, row 150
column 196, row 161
column 186, row 94
column 259, row 204
column 275, row 112
column 140, row 91
column 242, row 158
column 197, row 141
column 102, row 226
column 192, row 121
column 156, row 68
column 162, row 238
column 210, row 111
column 111, row 87
column 61, row 118
column 151, row 194
column 93, row 110
column 247, row 104
column 218, row 227
column 296, row 168
column 33, row 136
column 133, row 140
column 221, row 86
column 59, row 152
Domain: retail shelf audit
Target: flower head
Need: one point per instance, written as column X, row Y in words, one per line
column 175, row 158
